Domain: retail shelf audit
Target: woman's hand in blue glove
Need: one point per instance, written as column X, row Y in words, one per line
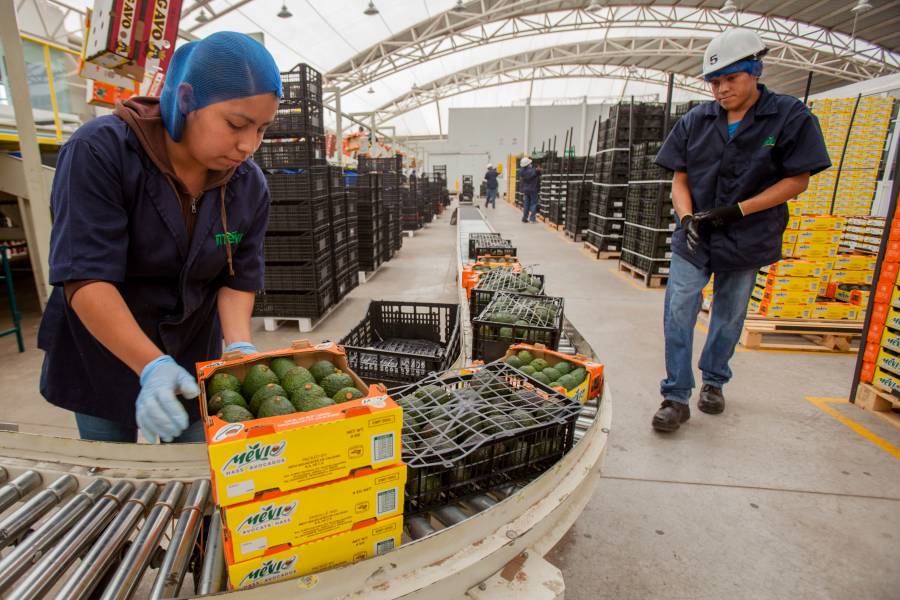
column 244, row 348
column 159, row 414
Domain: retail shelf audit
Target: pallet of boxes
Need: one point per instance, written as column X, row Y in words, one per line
column 879, row 388
column 813, row 299
column 305, row 462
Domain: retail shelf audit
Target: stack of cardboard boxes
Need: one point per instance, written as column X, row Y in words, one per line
column 861, row 160
column 308, row 491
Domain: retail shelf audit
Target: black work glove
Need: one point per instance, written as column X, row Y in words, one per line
column 691, row 231
column 718, row 218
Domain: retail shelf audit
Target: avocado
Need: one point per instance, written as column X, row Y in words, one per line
column 335, row 382
column 514, row 361
column 568, row 382
column 525, row 357
column 305, row 396
column 506, row 333
column 234, row 413
column 542, row 378
column 258, row 376
column 295, row 379
column 552, row 373
column 346, row 394
column 310, row 402
column 539, row 364
column 563, row 367
column 578, row 375
column 222, row 381
column 528, row 370
column 433, row 392
column 282, row 366
column 275, row 406
column 223, row 399
column 434, row 427
column 321, row 370
column 267, row 391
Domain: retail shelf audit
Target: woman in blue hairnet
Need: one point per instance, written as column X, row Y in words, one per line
column 156, row 247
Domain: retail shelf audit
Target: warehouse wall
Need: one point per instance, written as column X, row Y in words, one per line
column 491, row 134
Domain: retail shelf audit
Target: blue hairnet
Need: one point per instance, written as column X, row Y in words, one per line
column 223, row 66
column 749, row 65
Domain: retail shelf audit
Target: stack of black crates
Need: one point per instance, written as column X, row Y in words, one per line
column 628, row 123
column 366, row 190
column 578, row 195
column 309, row 245
column 424, row 192
column 468, row 189
column 649, row 218
column 439, row 175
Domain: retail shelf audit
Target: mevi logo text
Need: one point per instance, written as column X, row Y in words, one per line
column 269, row 571
column 255, row 456
column 269, row 515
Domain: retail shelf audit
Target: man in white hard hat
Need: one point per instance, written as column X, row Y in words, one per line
column 490, row 186
column 737, row 161
column 530, row 178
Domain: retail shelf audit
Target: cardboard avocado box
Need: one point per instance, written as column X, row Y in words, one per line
column 886, row 381
column 301, row 516
column 299, row 449
column 888, row 361
column 372, row 539
column 591, row 387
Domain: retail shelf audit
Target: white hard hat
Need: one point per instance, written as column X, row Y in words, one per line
column 525, row 161
column 490, row 166
column 731, row 46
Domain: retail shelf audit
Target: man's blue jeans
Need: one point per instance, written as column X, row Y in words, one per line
column 731, row 294
column 98, row 429
column 530, row 206
column 491, row 198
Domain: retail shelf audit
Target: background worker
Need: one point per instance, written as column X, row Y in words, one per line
column 737, row 161
column 156, row 246
column 531, row 180
column 490, row 186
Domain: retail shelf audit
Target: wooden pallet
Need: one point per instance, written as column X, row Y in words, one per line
column 650, row 281
column 871, row 398
column 598, row 254
column 575, row 237
column 819, row 335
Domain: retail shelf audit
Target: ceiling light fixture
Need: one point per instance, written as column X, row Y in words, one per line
column 284, row 13
column 202, row 18
column 370, row 90
column 862, row 6
column 459, row 6
column 371, row 10
column 594, row 6
column 728, row 8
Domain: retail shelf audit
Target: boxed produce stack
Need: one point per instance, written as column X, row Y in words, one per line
column 305, row 462
column 303, row 218
column 578, row 377
column 577, row 214
column 861, row 160
column 472, row 272
column 862, row 235
column 881, row 358
column 516, row 318
column 813, row 236
column 787, row 289
column 470, row 430
column 366, row 192
column 649, row 214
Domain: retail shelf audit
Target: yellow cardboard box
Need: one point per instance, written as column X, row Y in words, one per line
column 323, row 554
column 790, row 297
column 778, row 283
column 891, row 340
column 818, row 238
column 893, row 318
column 888, row 361
column 312, row 513
column 821, row 223
column 835, row 310
column 803, row 250
column 885, row 380
column 854, row 262
column 852, row 277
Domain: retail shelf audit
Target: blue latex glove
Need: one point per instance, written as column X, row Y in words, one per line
column 242, row 347
column 159, row 413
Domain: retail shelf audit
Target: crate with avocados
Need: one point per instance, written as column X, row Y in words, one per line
column 292, row 418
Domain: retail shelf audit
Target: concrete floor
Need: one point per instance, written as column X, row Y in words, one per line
column 773, row 499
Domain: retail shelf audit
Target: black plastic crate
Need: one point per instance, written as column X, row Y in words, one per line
column 605, row 225
column 309, row 304
column 366, row 164
column 577, row 207
column 299, row 277
column 296, row 117
column 502, row 280
column 298, row 216
column 369, row 259
column 525, row 319
column 654, row 243
column 651, row 266
column 398, row 343
column 300, row 83
column 337, row 206
column 481, row 238
column 339, row 234
column 346, row 281
column 605, row 243
column 470, row 430
column 299, row 152
column 306, row 184
column 350, row 204
column 346, row 258
column 504, row 249
column 297, row 246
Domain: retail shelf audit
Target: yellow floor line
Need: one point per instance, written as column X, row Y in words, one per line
column 823, row 405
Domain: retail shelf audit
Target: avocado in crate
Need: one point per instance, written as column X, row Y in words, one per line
column 467, row 430
column 515, row 318
column 503, row 279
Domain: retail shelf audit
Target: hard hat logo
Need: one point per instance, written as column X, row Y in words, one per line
column 730, row 47
column 713, row 59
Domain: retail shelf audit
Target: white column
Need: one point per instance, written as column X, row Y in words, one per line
column 36, row 209
column 582, row 143
column 339, row 126
column 525, row 144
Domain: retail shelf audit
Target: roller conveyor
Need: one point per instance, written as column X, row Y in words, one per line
column 83, row 519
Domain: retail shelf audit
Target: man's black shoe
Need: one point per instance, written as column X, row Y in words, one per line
column 671, row 415
column 711, row 401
